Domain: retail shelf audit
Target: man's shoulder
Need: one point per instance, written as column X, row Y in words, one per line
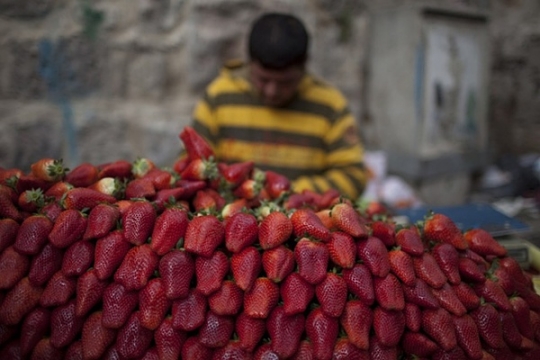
column 231, row 78
column 317, row 90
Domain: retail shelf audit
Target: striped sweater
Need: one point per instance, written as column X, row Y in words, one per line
column 313, row 140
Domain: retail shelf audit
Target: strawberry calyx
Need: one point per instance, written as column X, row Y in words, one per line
column 141, row 166
column 56, row 169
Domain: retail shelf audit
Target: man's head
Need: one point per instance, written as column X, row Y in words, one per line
column 278, row 45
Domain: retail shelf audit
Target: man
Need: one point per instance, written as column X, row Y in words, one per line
column 272, row 112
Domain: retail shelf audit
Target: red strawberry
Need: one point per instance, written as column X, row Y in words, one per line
column 46, row 350
column 356, row 320
column 326, row 219
column 448, row 259
column 251, row 189
column 360, row 283
column 169, row 341
column 344, row 349
column 274, row 230
column 418, row 344
column 32, row 235
column 176, row 268
column 261, row 299
column 276, row 184
column 384, row 230
column 161, row 178
column 8, row 209
column 118, row 304
column 170, row 196
column 250, row 331
column 193, row 349
column 227, row 300
column 203, row 202
column 189, row 313
column 449, row 300
column 470, row 271
column 493, row 293
column 142, row 166
column 521, row 312
column 142, row 188
column 421, row 295
column 13, row 267
column 31, row 200
column 231, row 350
column 467, row 296
column 389, row 292
column 413, row 317
column 305, row 351
column 486, row 318
column 312, row 260
column 426, row 268
column 439, row 325
column 241, row 231
column 374, row 254
column 58, row 190
column 505, row 280
column 68, row 228
column 30, row 181
column 332, row 294
column 78, row 258
column 45, row 264
column 342, row 249
column 483, row 243
column 34, row 328
column 402, row 266
column 195, row 145
column 264, row 351
column 441, row 228
column 81, row 198
column 347, row 219
column 169, row 228
column 52, row 210
column 83, row 175
column 467, row 336
column 65, row 325
column 203, row 235
column 9, row 230
column 245, row 267
column 511, row 335
column 388, row 325
column 409, row 240
column 513, row 268
column 89, row 292
column 137, row 266
column 133, row 339
column 153, row 304
column 58, row 291
column 138, row 222
column 234, row 207
column 48, row 169
column 11, row 175
column 211, row 271
column 323, row 331
column 116, row 169
column 216, row 330
column 285, row 331
column 278, row 262
column 307, row 223
column 95, row 337
column 109, row 253
column 296, row 294
column 200, row 169
column 234, row 174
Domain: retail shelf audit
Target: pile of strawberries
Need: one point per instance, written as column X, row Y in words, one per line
column 223, row 261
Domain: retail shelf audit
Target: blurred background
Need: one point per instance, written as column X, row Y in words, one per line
column 446, row 92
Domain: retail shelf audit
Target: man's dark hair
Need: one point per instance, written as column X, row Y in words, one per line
column 278, row 41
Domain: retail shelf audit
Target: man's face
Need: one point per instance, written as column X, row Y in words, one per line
column 275, row 87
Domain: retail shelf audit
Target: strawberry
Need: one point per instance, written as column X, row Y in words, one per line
column 409, row 240
column 58, row 291
column 153, row 304
column 216, row 330
column 89, row 292
column 426, row 268
column 480, row 241
column 108, row 186
column 470, row 271
column 511, row 335
column 193, row 349
column 195, row 145
column 332, row 294
column 141, row 167
column 486, row 318
column 81, row 198
column 448, row 259
column 136, row 268
column 169, row 340
column 250, row 189
column 307, row 224
column 389, row 292
column 312, row 260
column 305, row 351
column 467, row 336
column 48, row 169
column 78, row 258
column 116, row 169
column 360, row 283
column 30, row 181
column 356, row 321
column 449, row 300
column 439, row 325
column 68, row 228
column 133, row 339
column 342, row 249
column 176, row 269
column 57, row 191
column 265, row 351
column 211, row 271
column 374, row 254
column 8, row 209
column 493, row 293
column 52, row 210
column 467, row 296
column 388, row 325
column 402, row 266
column 232, row 175
column 34, row 328
column 421, row 295
column 274, row 230
column 322, row 330
column 138, row 222
column 418, row 344
column 203, row 202
column 278, row 262
column 326, row 219
column 233, row 207
column 65, row 325
column 109, row 253
column 227, row 300
column 521, row 312
column 384, row 230
column 11, row 175
column 142, row 188
column 45, row 349
column 413, row 317
column 13, row 267
column 204, row 234
column 513, row 268
column 95, row 337
column 45, row 264
column 276, row 184
column 346, row 218
column 344, row 349
column 245, row 267
column 285, row 331
column 171, row 196
column 161, row 178
column 231, row 350
column 241, row 231
column 102, row 219
column 169, row 228
column 440, row 228
column 151, row 353
column 31, row 200
column 249, row 330
column 9, row 230
column 261, row 299
column 200, row 169
column 83, row 175
column 189, row 313
column 296, row 294
column 505, row 280
column 118, row 304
